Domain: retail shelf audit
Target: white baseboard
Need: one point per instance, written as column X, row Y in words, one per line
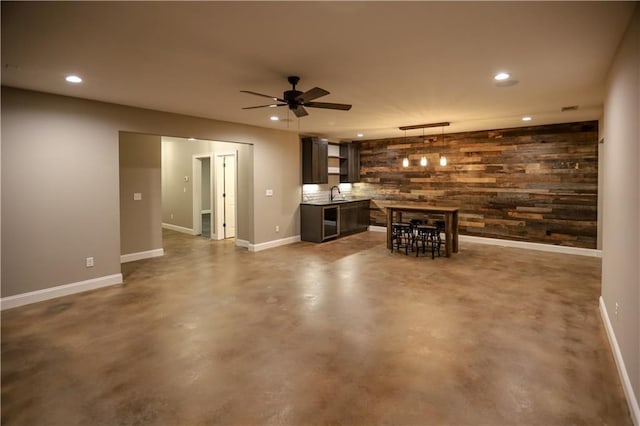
column 132, row 257
column 178, row 228
column 242, row 243
column 375, row 228
column 532, row 246
column 274, row 243
column 632, row 401
column 59, row 291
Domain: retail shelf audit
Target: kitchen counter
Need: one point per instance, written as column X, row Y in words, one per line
column 337, row 201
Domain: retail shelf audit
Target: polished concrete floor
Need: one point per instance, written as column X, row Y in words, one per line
column 340, row 333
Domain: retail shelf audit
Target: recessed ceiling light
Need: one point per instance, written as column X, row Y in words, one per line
column 274, row 118
column 191, row 139
column 73, row 79
column 501, row 76
column 359, row 135
column 526, row 118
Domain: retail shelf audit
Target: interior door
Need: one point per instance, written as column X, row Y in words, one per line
column 226, row 195
column 229, row 196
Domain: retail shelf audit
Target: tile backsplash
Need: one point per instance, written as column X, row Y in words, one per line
column 312, row 193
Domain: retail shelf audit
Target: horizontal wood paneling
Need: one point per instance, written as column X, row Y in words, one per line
column 535, row 183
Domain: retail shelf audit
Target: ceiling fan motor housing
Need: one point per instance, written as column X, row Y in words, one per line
column 290, row 96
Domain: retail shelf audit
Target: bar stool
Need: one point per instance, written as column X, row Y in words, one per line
column 415, row 234
column 439, row 224
column 401, row 236
column 428, row 236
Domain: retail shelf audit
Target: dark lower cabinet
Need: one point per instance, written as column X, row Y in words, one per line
column 354, row 217
column 320, row 222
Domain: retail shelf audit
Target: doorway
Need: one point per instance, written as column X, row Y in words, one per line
column 225, row 195
column 203, row 195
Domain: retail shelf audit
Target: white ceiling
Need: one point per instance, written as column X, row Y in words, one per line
column 398, row 63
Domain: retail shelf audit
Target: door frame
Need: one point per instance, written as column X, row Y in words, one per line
column 196, row 177
column 219, row 229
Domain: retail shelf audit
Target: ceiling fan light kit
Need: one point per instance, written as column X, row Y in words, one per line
column 297, row 100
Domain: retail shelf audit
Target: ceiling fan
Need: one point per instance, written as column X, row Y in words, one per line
column 297, row 100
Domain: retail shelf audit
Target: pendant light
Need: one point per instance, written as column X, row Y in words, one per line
column 405, row 160
column 423, row 160
column 443, row 158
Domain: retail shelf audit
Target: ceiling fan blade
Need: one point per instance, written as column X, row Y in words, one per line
column 327, row 105
column 264, row 106
column 264, row 96
column 314, row 93
column 299, row 111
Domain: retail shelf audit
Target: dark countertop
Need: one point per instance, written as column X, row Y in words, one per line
column 335, row 202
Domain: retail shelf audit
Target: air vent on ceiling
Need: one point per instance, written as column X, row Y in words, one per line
column 569, row 108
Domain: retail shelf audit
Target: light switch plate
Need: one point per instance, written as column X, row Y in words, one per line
column 137, row 196
column 269, row 192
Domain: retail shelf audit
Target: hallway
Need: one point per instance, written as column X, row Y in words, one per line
column 336, row 333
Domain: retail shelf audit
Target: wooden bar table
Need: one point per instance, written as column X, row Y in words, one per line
column 450, row 221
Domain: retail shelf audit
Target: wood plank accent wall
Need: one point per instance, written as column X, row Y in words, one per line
column 536, row 184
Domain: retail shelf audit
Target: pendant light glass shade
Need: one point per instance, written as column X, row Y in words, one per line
column 405, row 162
column 423, row 161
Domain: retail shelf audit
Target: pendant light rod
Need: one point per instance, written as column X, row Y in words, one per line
column 423, row 126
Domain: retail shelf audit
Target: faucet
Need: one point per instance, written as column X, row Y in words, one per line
column 331, row 192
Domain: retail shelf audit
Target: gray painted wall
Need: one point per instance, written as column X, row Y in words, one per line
column 140, row 227
column 621, row 200
column 60, row 183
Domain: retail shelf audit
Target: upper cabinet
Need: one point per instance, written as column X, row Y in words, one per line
column 316, row 167
column 349, row 163
column 314, row 160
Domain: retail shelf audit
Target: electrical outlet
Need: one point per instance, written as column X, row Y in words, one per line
column 617, row 309
column 277, row 228
column 171, row 215
column 89, row 262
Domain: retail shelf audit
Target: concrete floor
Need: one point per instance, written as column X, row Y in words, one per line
column 340, row 333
